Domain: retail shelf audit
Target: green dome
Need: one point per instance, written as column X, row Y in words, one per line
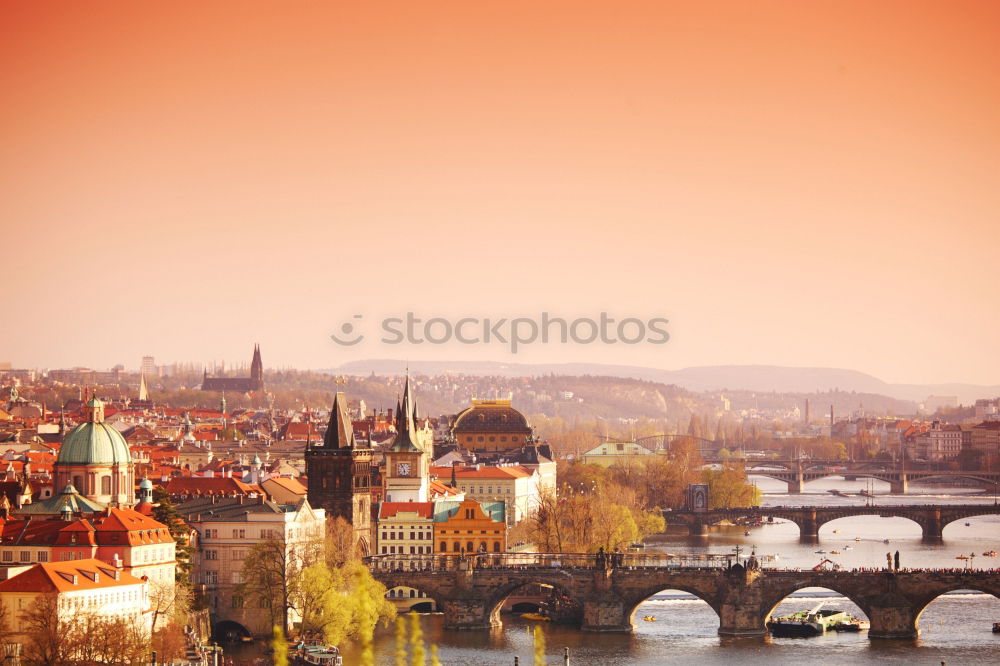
column 94, row 443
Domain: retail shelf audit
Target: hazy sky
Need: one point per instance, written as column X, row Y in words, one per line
column 798, row 183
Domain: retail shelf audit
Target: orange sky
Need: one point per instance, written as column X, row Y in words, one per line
column 788, row 182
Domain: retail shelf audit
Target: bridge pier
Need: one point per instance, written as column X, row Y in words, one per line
column 606, row 615
column 468, row 614
column 901, row 486
column 796, row 485
column 897, row 621
column 808, row 528
column 741, row 619
column 697, row 529
column 932, row 527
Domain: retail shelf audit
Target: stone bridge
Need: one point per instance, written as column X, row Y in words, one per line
column 470, row 594
column 932, row 518
column 796, row 474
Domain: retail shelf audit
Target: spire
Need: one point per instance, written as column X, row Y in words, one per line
column 339, row 432
column 256, row 365
column 143, row 391
column 406, row 436
column 309, row 432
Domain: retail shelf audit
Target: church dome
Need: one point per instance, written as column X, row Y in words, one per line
column 491, row 416
column 94, row 442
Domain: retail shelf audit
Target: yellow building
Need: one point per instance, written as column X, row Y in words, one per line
column 469, row 527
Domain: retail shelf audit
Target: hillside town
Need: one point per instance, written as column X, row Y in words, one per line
column 144, row 515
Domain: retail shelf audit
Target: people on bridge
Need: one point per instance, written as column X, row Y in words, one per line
column 897, row 561
column 888, row 561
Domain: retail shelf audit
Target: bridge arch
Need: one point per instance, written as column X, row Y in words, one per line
column 949, row 516
column 925, row 601
column 634, row 601
column 500, row 594
column 409, row 598
column 230, row 631
column 821, row 523
column 775, row 597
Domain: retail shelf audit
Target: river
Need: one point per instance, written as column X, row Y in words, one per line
column 954, row 629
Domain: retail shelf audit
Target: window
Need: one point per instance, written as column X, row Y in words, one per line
column 211, row 554
column 496, row 546
column 105, row 485
column 267, row 534
column 237, row 602
column 444, row 547
column 43, row 556
column 25, row 555
column 211, row 578
column 211, row 534
column 384, row 550
column 8, row 556
column 239, row 534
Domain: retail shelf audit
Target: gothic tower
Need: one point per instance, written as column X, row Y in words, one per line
column 256, row 370
column 339, row 474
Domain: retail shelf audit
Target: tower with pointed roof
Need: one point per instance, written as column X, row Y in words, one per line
column 257, row 368
column 339, row 473
column 407, row 467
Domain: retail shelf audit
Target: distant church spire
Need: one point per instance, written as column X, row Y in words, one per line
column 143, row 391
column 257, row 366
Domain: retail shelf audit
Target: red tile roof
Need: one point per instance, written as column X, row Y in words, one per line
column 390, row 509
column 90, row 574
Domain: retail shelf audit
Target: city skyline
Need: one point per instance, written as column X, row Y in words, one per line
column 788, row 184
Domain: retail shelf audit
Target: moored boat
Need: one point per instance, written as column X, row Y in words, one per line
column 317, row 655
column 805, row 624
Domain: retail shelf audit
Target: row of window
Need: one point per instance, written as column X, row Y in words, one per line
column 241, row 533
column 489, row 490
column 235, row 554
column 25, row 556
column 493, row 438
column 470, row 547
column 400, row 550
column 414, row 536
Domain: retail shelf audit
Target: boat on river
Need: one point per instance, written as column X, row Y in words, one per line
column 317, row 655
column 996, row 627
column 815, row 622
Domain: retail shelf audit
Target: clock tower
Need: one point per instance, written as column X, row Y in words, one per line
column 407, row 467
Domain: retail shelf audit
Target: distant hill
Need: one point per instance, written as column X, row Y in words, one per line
column 763, row 378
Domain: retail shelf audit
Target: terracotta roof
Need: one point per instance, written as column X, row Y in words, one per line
column 90, row 574
column 502, row 473
column 217, row 485
column 422, row 509
column 437, row 488
column 291, row 485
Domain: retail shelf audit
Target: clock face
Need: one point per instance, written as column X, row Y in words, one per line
column 403, row 469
